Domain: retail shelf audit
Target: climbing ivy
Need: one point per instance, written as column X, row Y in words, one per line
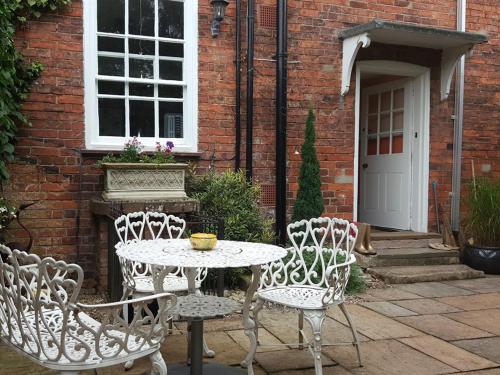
column 16, row 76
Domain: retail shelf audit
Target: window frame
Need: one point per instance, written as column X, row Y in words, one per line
column 189, row 142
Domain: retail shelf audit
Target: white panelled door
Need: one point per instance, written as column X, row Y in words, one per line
column 385, row 153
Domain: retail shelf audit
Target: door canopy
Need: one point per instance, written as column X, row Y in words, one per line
column 453, row 44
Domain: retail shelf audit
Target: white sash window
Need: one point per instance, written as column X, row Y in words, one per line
column 141, row 71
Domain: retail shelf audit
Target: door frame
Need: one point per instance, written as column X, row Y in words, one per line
column 420, row 145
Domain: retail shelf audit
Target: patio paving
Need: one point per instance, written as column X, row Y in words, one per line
column 420, row 329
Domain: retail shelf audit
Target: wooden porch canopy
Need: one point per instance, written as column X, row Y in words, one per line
column 453, row 44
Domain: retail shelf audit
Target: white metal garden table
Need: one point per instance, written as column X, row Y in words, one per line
column 165, row 254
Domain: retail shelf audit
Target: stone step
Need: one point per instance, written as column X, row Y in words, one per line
column 407, row 256
column 379, row 235
column 412, row 274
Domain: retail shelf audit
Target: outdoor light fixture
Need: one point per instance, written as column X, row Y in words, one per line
column 219, row 9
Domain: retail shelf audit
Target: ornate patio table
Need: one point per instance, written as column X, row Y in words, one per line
column 165, row 254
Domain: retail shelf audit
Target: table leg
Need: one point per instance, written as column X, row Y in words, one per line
column 197, row 346
column 248, row 322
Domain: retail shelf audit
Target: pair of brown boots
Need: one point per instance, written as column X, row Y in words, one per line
column 363, row 241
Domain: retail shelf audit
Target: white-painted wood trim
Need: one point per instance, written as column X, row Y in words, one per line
column 350, row 48
column 189, row 143
column 420, row 147
column 449, row 60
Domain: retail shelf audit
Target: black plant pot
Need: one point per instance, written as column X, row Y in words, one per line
column 482, row 258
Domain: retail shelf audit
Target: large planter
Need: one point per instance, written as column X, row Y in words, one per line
column 143, row 181
column 482, row 258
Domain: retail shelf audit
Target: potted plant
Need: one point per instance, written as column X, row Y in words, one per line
column 482, row 251
column 134, row 175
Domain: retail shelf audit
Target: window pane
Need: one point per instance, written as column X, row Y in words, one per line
column 372, row 147
column 171, row 120
column 399, row 98
column 385, row 122
column 172, row 49
column 165, row 91
column 373, row 103
column 111, row 16
column 110, row 44
column 384, row 145
column 397, row 121
column 385, row 101
column 139, row 89
column 141, row 47
column 142, row 118
column 171, row 70
column 140, row 68
column 372, row 124
column 111, row 88
column 110, row 66
column 171, row 21
column 141, row 17
column 397, row 144
column 112, row 117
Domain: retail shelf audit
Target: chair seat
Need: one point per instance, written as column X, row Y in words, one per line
column 296, row 296
column 172, row 284
column 79, row 343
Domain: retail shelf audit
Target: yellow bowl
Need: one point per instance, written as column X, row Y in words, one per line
column 203, row 241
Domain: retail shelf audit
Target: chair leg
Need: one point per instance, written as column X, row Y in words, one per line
column 315, row 319
column 301, row 327
column 208, row 352
column 69, row 372
column 354, row 332
column 158, row 366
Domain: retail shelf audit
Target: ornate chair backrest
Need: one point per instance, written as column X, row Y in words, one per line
column 317, row 244
column 156, row 222
column 136, row 222
column 175, row 226
column 121, row 227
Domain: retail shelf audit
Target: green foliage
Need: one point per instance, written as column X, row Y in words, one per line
column 7, row 212
column 483, row 219
column 309, row 201
column 16, row 76
column 132, row 153
column 231, row 197
column 356, row 283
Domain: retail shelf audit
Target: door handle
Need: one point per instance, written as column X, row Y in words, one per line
column 364, row 165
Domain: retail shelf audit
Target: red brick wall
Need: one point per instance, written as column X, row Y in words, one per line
column 50, row 168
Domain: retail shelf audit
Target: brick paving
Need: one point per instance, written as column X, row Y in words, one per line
column 425, row 328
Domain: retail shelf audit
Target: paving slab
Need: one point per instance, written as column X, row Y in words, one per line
column 484, row 285
column 443, row 327
column 388, row 309
column 495, row 371
column 288, row 360
column 267, row 341
column 434, row 289
column 387, row 357
column 374, row 325
column 331, row 370
column 487, row 347
column 13, row 363
column 426, row 306
column 447, row 353
column 391, row 294
column 474, row 302
column 486, row 320
column 227, row 351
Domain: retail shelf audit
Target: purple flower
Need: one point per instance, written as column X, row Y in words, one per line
column 170, row 145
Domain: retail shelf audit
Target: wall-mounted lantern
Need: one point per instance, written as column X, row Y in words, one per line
column 219, row 10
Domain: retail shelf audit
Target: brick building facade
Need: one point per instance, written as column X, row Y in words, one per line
column 54, row 166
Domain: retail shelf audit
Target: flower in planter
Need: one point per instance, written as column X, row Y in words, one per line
column 133, row 153
column 7, row 213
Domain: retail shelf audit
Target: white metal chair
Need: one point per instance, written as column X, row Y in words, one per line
column 137, row 277
column 41, row 318
column 312, row 278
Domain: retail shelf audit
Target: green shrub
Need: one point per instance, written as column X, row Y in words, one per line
column 483, row 216
column 309, row 201
column 16, row 76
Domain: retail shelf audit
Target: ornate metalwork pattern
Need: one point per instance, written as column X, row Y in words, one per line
column 312, row 277
column 200, row 306
column 173, row 253
column 40, row 315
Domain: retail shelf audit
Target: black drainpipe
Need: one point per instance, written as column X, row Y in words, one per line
column 281, row 120
column 250, row 50
column 237, row 158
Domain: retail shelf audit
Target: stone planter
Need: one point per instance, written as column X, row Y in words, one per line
column 143, row 181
